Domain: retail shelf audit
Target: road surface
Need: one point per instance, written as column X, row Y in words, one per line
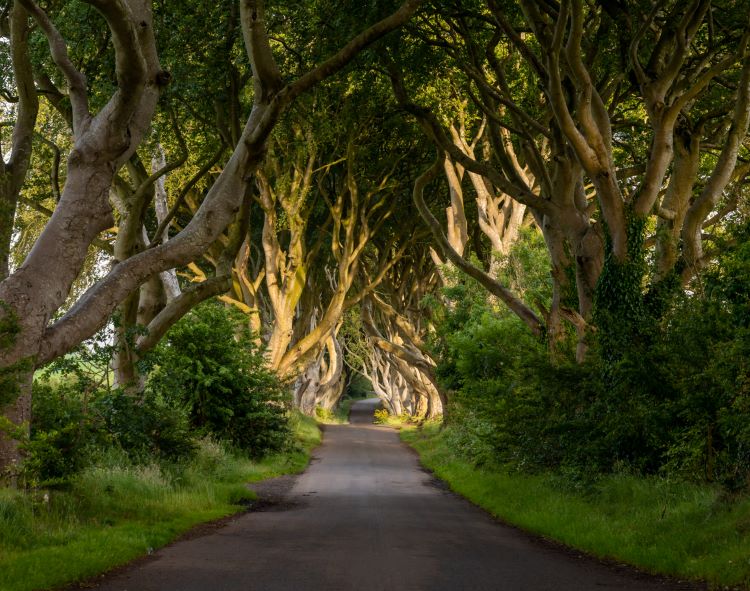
column 365, row 517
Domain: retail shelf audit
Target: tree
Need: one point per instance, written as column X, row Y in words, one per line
column 103, row 142
column 401, row 365
column 568, row 143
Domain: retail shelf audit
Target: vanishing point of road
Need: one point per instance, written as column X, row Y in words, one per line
column 365, row 517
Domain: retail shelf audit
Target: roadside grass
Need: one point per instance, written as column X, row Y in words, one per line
column 662, row 526
column 384, row 417
column 340, row 413
column 114, row 512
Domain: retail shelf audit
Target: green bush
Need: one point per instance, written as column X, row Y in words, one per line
column 146, row 427
column 673, row 400
column 207, row 379
column 74, row 426
column 209, row 364
column 381, row 416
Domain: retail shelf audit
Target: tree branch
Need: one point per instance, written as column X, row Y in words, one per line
column 177, row 308
column 489, row 283
column 59, row 52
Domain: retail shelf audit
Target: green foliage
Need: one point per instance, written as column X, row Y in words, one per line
column 114, row 511
column 357, row 352
column 619, row 309
column 12, row 430
column 60, row 433
column 358, row 387
column 73, row 427
column 209, row 365
column 706, row 358
column 205, row 382
column 661, row 393
column 11, row 375
column 381, row 416
column 526, row 268
column 325, row 415
column 78, row 417
column 9, row 327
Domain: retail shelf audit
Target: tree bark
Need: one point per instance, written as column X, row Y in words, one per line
column 18, row 413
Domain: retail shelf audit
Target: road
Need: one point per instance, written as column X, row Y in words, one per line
column 365, row 517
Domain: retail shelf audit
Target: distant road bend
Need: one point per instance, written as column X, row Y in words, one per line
column 365, row 517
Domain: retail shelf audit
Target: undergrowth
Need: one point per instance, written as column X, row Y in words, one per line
column 384, row 417
column 115, row 511
column 339, row 415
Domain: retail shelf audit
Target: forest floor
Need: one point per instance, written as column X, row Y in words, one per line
column 365, row 516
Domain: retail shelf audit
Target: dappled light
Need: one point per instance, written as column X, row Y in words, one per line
column 513, row 234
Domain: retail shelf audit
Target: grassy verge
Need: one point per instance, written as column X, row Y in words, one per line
column 114, row 513
column 404, row 421
column 679, row 529
column 339, row 415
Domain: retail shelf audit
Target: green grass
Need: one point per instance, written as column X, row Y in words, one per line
column 113, row 513
column 340, row 413
column 384, row 417
column 675, row 528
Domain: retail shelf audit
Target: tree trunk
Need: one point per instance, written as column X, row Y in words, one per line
column 19, row 414
column 124, row 359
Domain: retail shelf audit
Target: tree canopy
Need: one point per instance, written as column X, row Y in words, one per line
column 414, row 192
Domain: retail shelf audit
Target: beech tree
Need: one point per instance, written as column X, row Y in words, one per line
column 401, row 366
column 567, row 124
column 308, row 278
column 614, row 133
column 104, row 140
column 14, row 165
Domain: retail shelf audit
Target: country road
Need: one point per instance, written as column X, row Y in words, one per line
column 363, row 517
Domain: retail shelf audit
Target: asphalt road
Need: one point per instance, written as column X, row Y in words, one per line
column 365, row 517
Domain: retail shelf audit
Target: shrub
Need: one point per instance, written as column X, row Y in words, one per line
column 673, row 398
column 146, row 427
column 73, row 426
column 209, row 364
column 381, row 416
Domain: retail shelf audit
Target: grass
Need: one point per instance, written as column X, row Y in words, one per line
column 340, row 413
column 113, row 513
column 662, row 526
column 384, row 417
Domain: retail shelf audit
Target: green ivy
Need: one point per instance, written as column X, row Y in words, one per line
column 619, row 307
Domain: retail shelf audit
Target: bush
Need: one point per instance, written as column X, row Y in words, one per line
column 209, row 364
column 673, row 400
column 381, row 416
column 146, row 427
column 207, row 379
column 74, row 426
